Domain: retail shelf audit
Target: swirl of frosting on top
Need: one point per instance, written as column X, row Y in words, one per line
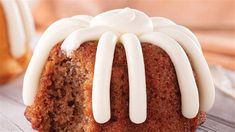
column 124, row 21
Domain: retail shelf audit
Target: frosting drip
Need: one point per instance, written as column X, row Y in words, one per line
column 188, row 88
column 101, row 83
column 136, row 73
column 130, row 27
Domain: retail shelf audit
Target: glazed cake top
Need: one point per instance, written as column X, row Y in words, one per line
column 130, row 27
column 19, row 24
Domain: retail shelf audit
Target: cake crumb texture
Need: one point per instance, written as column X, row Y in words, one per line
column 64, row 98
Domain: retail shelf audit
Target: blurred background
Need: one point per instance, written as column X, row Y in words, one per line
column 213, row 21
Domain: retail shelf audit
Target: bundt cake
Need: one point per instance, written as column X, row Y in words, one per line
column 16, row 30
column 118, row 71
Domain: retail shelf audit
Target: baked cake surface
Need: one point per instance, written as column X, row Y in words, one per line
column 118, row 71
column 64, row 98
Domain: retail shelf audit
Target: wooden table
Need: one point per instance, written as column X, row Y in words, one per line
column 221, row 118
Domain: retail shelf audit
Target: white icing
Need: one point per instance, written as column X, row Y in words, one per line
column 101, row 82
column 127, row 25
column 187, row 84
column 187, row 32
column 19, row 24
column 160, row 22
column 198, row 62
column 124, row 21
column 75, row 39
column 83, row 18
column 136, row 73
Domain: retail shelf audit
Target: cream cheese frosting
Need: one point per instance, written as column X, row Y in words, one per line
column 130, row 27
column 19, row 24
column 124, row 21
column 137, row 82
column 101, row 84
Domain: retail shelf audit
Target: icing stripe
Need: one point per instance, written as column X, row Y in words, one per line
column 136, row 73
column 161, row 22
column 85, row 18
column 188, row 87
column 75, row 39
column 56, row 33
column 15, row 27
column 187, row 32
column 198, row 62
column 102, row 77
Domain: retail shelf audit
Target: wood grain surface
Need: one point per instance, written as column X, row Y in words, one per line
column 220, row 119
